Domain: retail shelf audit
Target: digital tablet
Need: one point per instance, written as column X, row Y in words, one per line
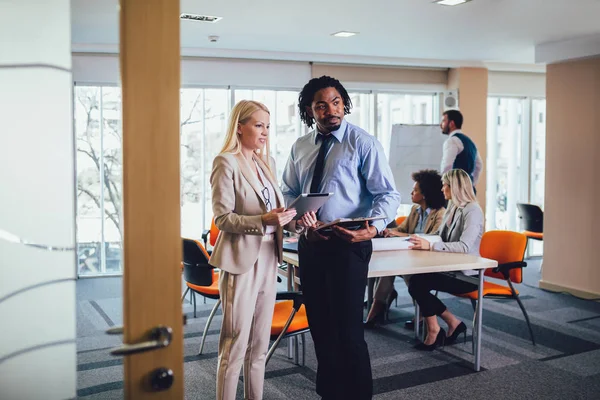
column 351, row 224
column 309, row 202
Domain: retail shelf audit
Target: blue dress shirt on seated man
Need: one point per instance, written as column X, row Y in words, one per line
column 341, row 158
column 356, row 171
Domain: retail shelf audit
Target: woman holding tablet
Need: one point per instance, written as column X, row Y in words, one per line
column 249, row 211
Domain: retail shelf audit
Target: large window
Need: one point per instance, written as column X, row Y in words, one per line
column 99, row 179
column 515, row 159
column 285, row 121
column 204, row 115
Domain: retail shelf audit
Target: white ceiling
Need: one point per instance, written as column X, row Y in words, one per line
column 391, row 31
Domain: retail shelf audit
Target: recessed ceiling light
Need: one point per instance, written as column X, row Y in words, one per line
column 450, row 2
column 201, row 18
column 344, row 34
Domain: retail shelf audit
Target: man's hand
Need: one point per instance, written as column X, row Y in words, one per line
column 392, row 233
column 366, row 233
column 309, row 219
column 313, row 235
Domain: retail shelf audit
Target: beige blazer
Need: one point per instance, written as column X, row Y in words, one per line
column 237, row 207
column 434, row 220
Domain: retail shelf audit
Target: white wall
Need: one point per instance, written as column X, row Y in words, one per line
column 37, row 177
column 516, row 84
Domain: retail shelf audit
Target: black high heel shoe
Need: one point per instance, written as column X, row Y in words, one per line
column 378, row 319
column 439, row 342
column 393, row 296
column 461, row 328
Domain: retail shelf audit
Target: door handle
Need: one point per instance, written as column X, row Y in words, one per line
column 160, row 337
column 118, row 330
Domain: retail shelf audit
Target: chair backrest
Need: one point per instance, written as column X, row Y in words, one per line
column 214, row 233
column 504, row 247
column 196, row 269
column 400, row 220
column 532, row 217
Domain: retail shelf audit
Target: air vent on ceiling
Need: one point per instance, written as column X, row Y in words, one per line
column 201, row 18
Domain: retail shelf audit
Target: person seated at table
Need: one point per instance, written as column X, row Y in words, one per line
column 425, row 217
column 461, row 231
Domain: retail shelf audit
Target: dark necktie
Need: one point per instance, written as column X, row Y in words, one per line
column 318, row 174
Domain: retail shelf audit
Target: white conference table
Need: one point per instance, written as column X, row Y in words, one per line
column 410, row 262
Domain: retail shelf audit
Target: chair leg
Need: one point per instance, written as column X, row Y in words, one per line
column 281, row 335
column 296, row 359
column 184, row 293
column 516, row 297
column 210, row 318
column 473, row 330
column 303, row 349
column 194, row 300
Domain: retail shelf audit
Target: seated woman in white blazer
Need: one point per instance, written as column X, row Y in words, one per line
column 461, row 232
column 249, row 211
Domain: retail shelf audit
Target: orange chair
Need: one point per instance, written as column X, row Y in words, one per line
column 289, row 319
column 508, row 248
column 200, row 277
column 210, row 236
column 400, row 220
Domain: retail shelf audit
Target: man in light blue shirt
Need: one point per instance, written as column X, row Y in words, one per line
column 341, row 158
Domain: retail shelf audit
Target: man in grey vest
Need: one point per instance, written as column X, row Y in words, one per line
column 459, row 150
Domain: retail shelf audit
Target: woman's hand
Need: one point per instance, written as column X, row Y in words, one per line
column 308, row 220
column 418, row 243
column 278, row 217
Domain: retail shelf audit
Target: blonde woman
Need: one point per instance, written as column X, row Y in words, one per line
column 461, row 231
column 249, row 211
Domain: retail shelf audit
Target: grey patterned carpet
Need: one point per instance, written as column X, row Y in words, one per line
column 565, row 363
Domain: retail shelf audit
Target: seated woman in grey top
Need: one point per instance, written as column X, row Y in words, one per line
column 425, row 217
column 461, row 232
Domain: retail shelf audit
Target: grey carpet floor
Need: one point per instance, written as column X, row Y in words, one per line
column 565, row 363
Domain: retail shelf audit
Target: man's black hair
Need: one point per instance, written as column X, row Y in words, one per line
column 307, row 96
column 456, row 116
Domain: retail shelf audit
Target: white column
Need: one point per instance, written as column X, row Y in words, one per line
column 512, row 192
column 491, row 163
column 37, row 207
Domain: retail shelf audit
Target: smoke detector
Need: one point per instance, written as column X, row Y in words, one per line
column 200, row 18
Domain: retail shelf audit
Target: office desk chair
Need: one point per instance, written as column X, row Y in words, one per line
column 289, row 320
column 508, row 248
column 210, row 235
column 532, row 221
column 200, row 277
column 400, row 220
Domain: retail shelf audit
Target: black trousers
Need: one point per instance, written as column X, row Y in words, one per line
column 334, row 275
column 421, row 285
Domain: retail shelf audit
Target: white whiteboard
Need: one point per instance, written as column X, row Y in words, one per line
column 412, row 148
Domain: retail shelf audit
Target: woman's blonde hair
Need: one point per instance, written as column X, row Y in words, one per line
column 461, row 187
column 240, row 114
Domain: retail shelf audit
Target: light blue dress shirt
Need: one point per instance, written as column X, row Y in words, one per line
column 356, row 171
column 423, row 215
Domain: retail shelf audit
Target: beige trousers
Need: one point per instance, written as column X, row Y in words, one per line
column 248, row 301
